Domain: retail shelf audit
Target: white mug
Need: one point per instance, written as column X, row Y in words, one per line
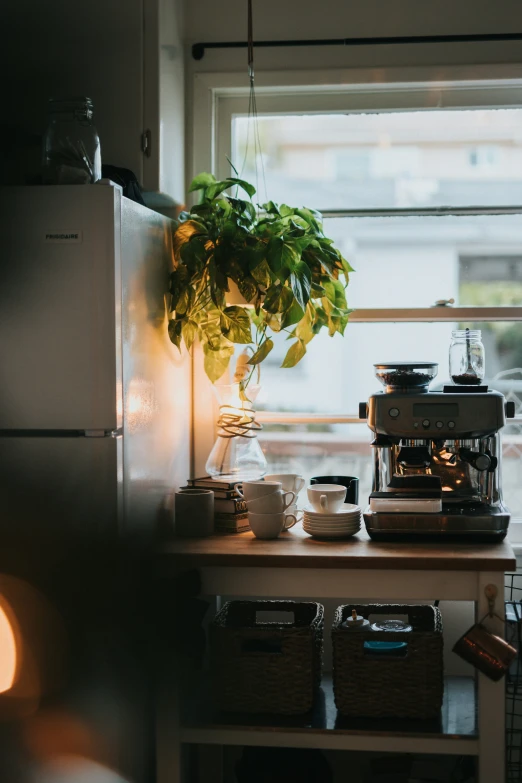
column 250, row 490
column 270, row 525
column 271, row 504
column 297, row 512
column 291, row 482
column 326, row 498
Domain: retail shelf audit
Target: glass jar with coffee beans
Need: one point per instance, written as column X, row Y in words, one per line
column 466, row 357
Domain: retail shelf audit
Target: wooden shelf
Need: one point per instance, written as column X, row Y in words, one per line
column 295, row 549
column 454, row 733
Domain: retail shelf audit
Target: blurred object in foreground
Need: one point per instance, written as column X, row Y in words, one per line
column 67, row 748
column 70, row 769
column 33, row 649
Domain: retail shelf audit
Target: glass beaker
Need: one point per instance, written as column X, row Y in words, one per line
column 466, row 357
column 236, row 454
column 71, row 145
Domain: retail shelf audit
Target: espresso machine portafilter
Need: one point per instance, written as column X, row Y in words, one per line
column 437, row 457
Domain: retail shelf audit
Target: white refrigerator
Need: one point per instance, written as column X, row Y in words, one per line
column 94, row 399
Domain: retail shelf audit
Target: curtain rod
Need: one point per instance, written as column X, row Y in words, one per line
column 198, row 49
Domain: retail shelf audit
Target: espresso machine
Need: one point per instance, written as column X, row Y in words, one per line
column 437, row 457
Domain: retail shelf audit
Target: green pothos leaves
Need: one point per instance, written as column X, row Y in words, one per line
column 262, row 352
column 216, row 360
column 235, row 325
column 295, row 354
column 280, row 260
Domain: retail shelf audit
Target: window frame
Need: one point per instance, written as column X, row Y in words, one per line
column 218, row 97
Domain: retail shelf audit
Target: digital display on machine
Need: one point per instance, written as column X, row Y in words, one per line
column 450, row 409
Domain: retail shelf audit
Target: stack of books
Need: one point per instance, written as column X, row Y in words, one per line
column 230, row 510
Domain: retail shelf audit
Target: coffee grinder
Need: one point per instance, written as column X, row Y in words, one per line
column 437, row 457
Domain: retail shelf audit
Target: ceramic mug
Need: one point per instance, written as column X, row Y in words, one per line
column 488, row 652
column 250, row 490
column 350, row 482
column 326, row 498
column 297, row 512
column 291, row 482
column 270, row 525
column 274, row 503
column 194, row 512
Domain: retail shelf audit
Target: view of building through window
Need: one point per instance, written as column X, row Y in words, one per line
column 388, row 159
column 384, row 161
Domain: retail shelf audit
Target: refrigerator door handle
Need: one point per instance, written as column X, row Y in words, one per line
column 117, row 433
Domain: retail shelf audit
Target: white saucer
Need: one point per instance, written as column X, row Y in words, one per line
column 332, row 536
column 337, row 520
column 331, row 531
column 347, row 509
column 332, row 520
column 331, row 525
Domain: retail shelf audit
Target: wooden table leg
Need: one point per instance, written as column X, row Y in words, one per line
column 210, row 763
column 169, row 767
column 491, row 695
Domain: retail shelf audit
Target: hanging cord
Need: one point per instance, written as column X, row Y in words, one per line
column 250, row 34
column 252, row 109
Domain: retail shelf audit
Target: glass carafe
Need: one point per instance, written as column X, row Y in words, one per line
column 236, row 454
column 466, row 357
column 71, row 146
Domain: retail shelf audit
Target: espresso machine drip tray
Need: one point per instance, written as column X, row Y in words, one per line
column 480, row 521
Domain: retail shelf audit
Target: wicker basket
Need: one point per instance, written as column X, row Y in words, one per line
column 376, row 685
column 270, row 667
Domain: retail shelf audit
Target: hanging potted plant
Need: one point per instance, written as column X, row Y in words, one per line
column 285, row 268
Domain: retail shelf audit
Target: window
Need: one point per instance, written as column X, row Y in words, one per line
column 420, row 187
column 485, row 157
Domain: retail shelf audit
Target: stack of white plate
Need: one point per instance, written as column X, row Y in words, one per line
column 342, row 524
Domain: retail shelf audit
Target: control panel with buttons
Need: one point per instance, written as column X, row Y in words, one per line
column 394, row 413
column 436, row 415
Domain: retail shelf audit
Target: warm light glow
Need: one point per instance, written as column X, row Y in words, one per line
column 140, row 404
column 8, row 653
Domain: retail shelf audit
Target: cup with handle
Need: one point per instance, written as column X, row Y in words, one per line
column 273, row 503
column 270, row 525
column 350, row 482
column 250, row 490
column 291, row 482
column 326, row 498
column 297, row 512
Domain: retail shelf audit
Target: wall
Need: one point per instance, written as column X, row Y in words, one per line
column 306, row 19
column 127, row 55
column 57, row 49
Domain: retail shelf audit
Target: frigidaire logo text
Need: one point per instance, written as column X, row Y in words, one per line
column 63, row 236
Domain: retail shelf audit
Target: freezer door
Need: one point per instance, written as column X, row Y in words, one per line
column 58, row 494
column 156, row 376
column 60, row 302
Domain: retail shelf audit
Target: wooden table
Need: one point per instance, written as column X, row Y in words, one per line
column 296, row 566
